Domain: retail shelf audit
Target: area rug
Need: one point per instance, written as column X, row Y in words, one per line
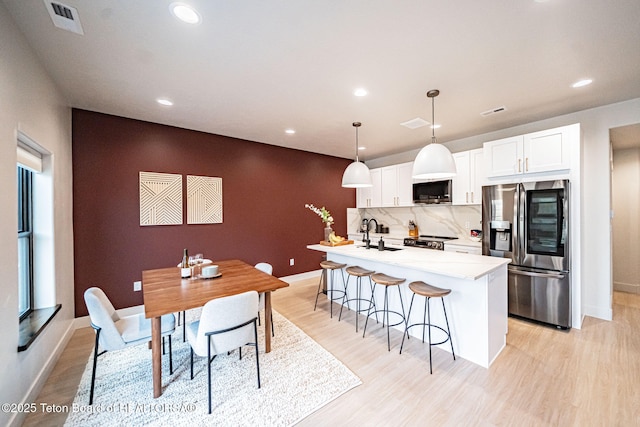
column 298, row 377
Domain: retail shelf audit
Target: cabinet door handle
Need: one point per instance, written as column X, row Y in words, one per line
column 472, row 197
column 519, row 165
column 467, row 196
column 526, row 164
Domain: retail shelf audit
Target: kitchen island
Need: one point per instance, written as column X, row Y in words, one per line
column 476, row 307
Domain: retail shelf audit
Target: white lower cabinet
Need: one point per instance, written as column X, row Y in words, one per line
column 461, row 248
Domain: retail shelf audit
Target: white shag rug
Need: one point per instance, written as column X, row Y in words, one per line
column 297, row 377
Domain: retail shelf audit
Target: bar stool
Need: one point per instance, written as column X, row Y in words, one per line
column 331, row 266
column 358, row 273
column 386, row 281
column 428, row 291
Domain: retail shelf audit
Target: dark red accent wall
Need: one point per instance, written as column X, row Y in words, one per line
column 264, row 191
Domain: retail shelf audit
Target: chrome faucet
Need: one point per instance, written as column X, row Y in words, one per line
column 366, row 224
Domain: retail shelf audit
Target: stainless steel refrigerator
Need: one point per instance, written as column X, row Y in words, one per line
column 529, row 223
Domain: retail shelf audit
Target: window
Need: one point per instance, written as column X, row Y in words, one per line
column 25, row 241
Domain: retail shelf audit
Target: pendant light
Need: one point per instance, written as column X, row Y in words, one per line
column 356, row 175
column 434, row 161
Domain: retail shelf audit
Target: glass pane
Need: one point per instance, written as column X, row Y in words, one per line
column 21, row 224
column 24, row 277
column 544, row 223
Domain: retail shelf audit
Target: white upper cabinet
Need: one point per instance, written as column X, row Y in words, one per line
column 543, row 151
column 547, row 150
column 467, row 184
column 370, row 197
column 504, row 156
column 397, row 185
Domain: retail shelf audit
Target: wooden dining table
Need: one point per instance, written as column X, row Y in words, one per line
column 164, row 292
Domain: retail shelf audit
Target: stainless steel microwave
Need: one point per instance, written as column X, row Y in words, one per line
column 432, row 192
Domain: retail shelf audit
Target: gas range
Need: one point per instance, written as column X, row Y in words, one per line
column 427, row 242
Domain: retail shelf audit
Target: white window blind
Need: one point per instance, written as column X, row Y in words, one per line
column 29, row 157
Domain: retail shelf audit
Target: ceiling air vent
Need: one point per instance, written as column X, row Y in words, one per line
column 493, row 111
column 64, row 17
column 415, row 123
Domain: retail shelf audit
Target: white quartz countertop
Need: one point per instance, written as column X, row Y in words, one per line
column 452, row 264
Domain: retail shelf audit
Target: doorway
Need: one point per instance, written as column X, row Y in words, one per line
column 625, row 204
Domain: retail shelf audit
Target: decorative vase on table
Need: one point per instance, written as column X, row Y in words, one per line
column 327, row 231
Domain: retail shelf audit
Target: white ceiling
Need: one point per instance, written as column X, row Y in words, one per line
column 253, row 68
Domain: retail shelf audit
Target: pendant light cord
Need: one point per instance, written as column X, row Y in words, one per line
column 433, row 120
column 357, row 125
column 432, row 94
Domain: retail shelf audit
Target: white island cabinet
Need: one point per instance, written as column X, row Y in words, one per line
column 476, row 306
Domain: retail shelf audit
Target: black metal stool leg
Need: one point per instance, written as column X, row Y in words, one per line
column 345, row 299
column 371, row 303
column 323, row 277
column 406, row 331
column 448, row 330
column 358, row 296
column 429, row 326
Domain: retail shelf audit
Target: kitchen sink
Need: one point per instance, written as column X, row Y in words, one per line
column 386, row 248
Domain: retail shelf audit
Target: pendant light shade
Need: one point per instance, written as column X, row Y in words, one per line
column 434, row 161
column 356, row 175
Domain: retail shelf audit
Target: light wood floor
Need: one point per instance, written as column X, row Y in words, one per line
column 587, row 377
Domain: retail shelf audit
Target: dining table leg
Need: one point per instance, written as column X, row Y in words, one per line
column 267, row 321
column 156, row 357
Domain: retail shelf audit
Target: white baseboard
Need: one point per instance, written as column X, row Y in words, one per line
column 633, row 288
column 301, row 276
column 41, row 378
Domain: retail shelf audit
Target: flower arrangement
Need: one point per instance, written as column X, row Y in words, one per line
column 322, row 213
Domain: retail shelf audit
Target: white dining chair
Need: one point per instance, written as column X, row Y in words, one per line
column 267, row 268
column 116, row 333
column 225, row 324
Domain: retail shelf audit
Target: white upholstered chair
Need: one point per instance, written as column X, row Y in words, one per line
column 115, row 333
column 267, row 268
column 226, row 324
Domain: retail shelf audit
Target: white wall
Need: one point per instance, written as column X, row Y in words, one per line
column 626, row 219
column 596, row 270
column 30, row 103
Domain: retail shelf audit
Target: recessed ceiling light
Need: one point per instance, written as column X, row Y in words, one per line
column 164, row 101
column 362, row 148
column 290, row 131
column 436, row 126
column 360, row 92
column 583, row 82
column 185, row 13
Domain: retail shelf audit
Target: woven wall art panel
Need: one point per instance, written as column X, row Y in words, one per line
column 160, row 198
column 204, row 200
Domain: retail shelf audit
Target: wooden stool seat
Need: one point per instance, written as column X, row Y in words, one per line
column 427, row 290
column 358, row 271
column 383, row 279
column 331, row 265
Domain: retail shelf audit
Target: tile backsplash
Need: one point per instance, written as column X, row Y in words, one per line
column 450, row 221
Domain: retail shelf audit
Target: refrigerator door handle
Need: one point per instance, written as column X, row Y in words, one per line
column 535, row 274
